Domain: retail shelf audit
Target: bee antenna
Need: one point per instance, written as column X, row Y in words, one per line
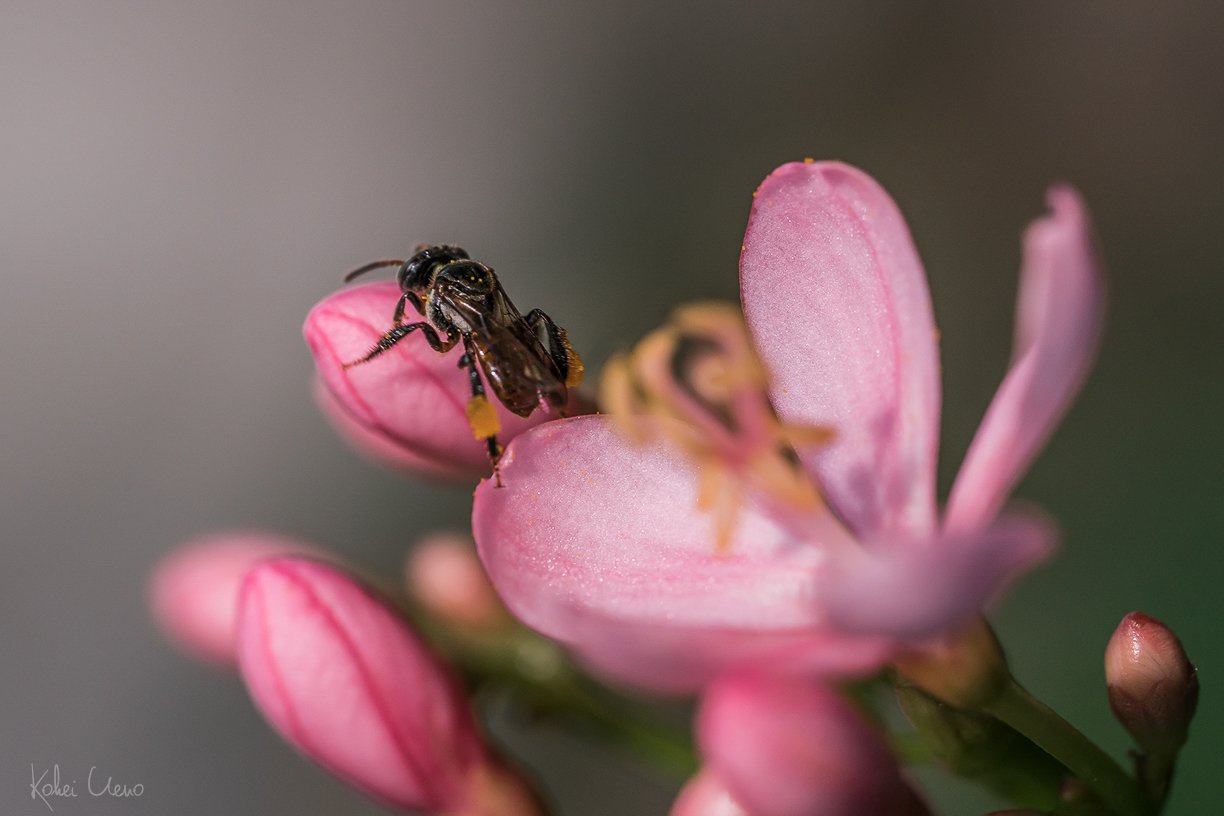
column 370, row 267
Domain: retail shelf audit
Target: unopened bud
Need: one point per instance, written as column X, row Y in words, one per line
column 1153, row 688
column 967, row 670
column 444, row 575
column 347, row 682
column 404, row 408
column 706, row 795
column 193, row 591
column 791, row 746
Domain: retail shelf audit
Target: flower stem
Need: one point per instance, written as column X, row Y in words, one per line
column 626, row 725
column 1037, row 721
column 535, row 672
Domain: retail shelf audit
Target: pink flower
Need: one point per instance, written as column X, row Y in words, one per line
column 347, row 682
column 407, row 408
column 193, row 592
column 600, row 543
column 790, row 746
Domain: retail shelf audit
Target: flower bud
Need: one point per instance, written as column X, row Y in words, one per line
column 966, row 670
column 405, row 407
column 345, row 680
column 705, row 795
column 193, row 592
column 444, row 575
column 790, row 746
column 1153, row 688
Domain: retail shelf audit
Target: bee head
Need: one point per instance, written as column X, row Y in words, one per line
column 418, row 272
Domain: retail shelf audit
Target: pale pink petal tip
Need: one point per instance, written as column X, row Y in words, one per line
column 444, row 575
column 193, row 591
column 1059, row 314
column 790, row 746
column 389, row 452
column 408, row 406
column 915, row 589
column 706, row 795
column 837, row 300
column 344, row 679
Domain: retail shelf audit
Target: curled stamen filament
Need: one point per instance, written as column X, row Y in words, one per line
column 698, row 383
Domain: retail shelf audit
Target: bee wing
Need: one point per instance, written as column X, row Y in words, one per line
column 513, row 359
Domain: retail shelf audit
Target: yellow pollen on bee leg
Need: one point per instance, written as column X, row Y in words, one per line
column 573, row 377
column 482, row 417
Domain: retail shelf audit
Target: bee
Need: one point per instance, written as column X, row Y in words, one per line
column 462, row 301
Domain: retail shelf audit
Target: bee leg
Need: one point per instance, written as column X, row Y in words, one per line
column 398, row 333
column 563, row 355
column 400, row 306
column 481, row 415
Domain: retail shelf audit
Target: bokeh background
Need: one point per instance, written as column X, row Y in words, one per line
column 180, row 182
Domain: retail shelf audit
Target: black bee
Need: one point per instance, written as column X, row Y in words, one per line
column 462, row 301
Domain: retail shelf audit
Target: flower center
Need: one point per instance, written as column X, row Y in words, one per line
column 698, row 383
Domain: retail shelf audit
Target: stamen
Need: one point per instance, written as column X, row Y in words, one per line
column 698, row 383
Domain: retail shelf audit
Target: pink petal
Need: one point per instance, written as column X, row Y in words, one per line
column 1059, row 315
column 837, row 300
column 706, row 795
column 347, row 682
column 389, row 451
column 412, row 398
column 193, row 592
column 790, row 746
column 916, row 589
column 599, row 544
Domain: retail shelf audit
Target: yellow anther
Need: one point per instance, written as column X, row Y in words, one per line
column 620, row 399
column 482, row 417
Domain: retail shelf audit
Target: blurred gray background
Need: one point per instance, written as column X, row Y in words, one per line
column 180, row 182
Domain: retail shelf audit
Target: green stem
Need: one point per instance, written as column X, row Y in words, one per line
column 535, row 672
column 1035, row 720
column 1156, row 773
column 624, row 724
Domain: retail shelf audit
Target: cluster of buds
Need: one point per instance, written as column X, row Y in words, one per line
column 338, row 671
column 754, row 521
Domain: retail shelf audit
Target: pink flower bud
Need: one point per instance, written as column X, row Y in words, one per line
column 705, row 795
column 408, row 406
column 790, row 746
column 193, row 592
column 1153, row 688
column 343, row 678
column 443, row 573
